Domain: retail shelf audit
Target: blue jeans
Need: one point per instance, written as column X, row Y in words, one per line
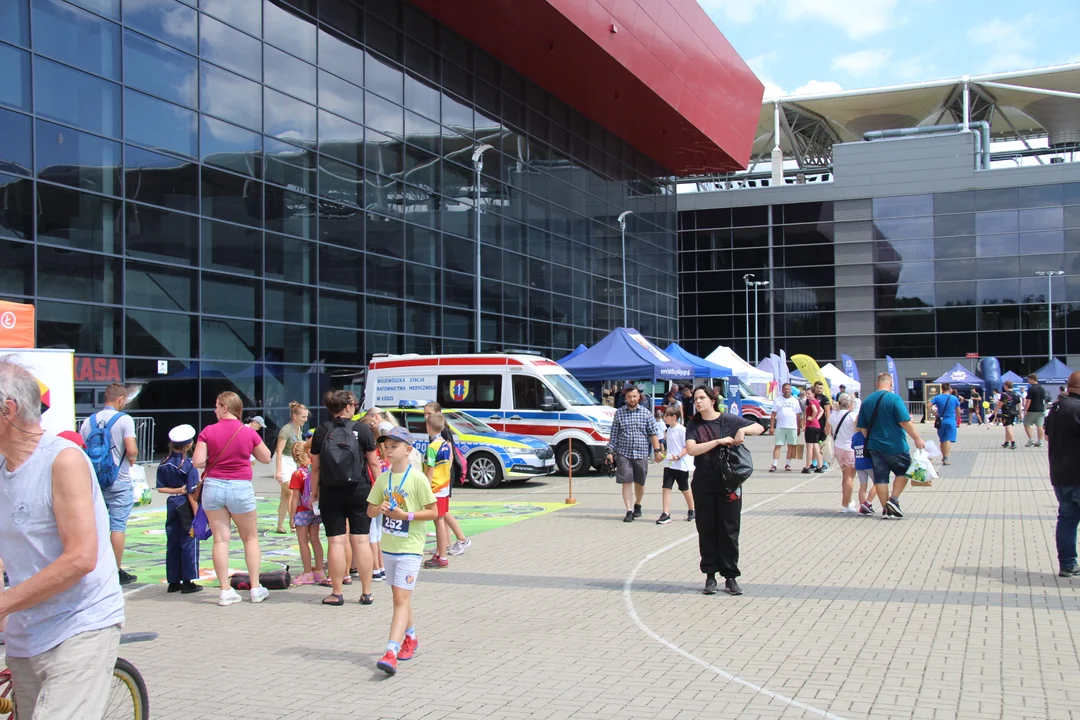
column 236, row 496
column 1068, row 517
column 119, row 500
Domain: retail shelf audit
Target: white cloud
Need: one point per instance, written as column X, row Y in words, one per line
column 818, row 87
column 740, row 12
column 1007, row 60
column 862, row 62
column 759, row 64
column 1009, row 42
column 914, row 69
column 1000, row 32
column 858, row 18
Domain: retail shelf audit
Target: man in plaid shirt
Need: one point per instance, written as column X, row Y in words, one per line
column 632, row 431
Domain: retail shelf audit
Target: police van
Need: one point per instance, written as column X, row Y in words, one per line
column 515, row 393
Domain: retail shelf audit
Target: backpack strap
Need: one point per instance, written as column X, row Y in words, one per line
column 108, row 434
column 840, row 425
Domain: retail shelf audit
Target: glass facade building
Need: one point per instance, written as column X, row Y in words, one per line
column 260, row 194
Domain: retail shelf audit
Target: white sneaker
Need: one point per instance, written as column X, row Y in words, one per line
column 228, row 597
column 849, row 510
column 459, row 547
column 259, row 594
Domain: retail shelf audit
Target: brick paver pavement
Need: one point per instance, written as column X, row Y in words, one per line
column 955, row 611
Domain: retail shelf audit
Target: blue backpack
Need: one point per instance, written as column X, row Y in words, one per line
column 99, row 448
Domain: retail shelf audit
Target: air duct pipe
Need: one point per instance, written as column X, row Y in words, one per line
column 982, row 137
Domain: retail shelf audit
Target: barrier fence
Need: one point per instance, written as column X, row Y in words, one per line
column 144, row 436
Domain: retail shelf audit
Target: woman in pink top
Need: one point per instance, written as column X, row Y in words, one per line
column 225, row 449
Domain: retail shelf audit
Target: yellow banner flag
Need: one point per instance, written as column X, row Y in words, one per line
column 809, row 368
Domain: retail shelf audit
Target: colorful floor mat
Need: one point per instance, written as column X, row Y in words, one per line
column 144, row 554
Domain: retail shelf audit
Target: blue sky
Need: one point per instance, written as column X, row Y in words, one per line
column 828, row 45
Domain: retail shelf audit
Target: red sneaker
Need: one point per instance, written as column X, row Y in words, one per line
column 408, row 647
column 436, row 562
column 388, row 664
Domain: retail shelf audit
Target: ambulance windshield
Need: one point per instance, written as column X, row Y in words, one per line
column 571, row 390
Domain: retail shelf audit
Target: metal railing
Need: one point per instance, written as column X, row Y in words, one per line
column 916, row 408
column 144, row 436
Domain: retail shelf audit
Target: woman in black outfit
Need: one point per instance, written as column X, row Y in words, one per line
column 719, row 512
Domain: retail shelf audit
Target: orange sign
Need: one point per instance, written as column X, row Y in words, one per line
column 16, row 325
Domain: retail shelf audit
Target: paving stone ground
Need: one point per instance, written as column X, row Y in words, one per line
column 954, row 612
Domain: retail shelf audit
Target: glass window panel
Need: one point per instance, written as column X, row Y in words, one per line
column 956, row 320
column 15, row 80
column 1033, row 196
column 17, row 270
column 1001, row 318
column 954, row 202
column 341, row 268
column 341, row 225
column 288, row 343
column 340, row 138
column 161, row 180
column 1045, row 218
column 342, row 347
column 290, row 31
column 230, row 48
column 954, row 224
column 226, row 295
column 340, row 310
column 286, row 73
column 231, row 248
column 383, row 38
column 1042, row 242
column 69, row 157
column 69, row 96
column 228, row 339
column 384, row 236
column 233, row 198
column 166, row 20
column 341, row 56
column 290, row 303
column 997, row 199
column 999, row 267
column 160, row 287
column 383, row 77
column 422, row 245
column 422, row 97
column 384, row 116
column 1071, row 193
column 244, row 14
column 903, row 206
column 78, row 220
column 290, row 166
column 287, row 118
column 1072, row 216
column 17, row 201
column 340, row 182
column 108, row 8
column 86, row 329
column 954, row 247
column 289, row 259
column 231, row 148
column 995, row 245
column 76, row 37
column 161, row 335
column 156, row 234
column 896, row 229
column 65, row 274
column 290, row 213
column 382, row 153
column 158, row 69
column 15, row 22
column 158, row 124
column 385, row 276
column 341, row 97
column 459, row 290
column 15, row 142
column 383, row 316
column 231, row 97
column 1033, row 289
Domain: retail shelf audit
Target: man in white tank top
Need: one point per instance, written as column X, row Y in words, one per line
column 64, row 608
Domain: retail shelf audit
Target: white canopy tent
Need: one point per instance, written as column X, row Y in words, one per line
column 746, row 372
column 836, row 378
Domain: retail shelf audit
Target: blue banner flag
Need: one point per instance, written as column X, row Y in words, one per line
column 850, row 368
column 892, row 371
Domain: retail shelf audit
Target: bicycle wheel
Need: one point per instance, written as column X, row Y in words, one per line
column 128, row 699
column 7, row 709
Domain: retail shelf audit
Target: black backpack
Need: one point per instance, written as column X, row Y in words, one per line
column 341, row 461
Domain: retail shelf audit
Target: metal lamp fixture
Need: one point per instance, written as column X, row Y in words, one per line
column 1050, row 275
column 478, row 166
column 757, row 284
column 622, row 229
column 747, row 280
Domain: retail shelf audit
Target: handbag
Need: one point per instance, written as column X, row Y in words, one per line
column 736, row 464
column 200, row 525
column 272, row 580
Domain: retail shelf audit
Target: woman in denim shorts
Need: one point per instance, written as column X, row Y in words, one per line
column 225, row 450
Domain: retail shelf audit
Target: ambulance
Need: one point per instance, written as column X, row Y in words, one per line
column 513, row 392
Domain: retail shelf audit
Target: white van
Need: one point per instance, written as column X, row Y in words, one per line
column 522, row 394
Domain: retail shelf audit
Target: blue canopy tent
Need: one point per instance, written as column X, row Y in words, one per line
column 1016, row 379
column 960, row 376
column 702, row 367
column 623, row 355
column 1054, row 372
column 574, row 353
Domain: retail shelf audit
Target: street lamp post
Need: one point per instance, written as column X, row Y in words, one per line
column 1050, row 275
column 757, row 284
column 746, row 281
column 478, row 166
column 622, row 229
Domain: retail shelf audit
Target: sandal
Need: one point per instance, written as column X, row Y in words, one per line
column 337, row 601
column 367, row 599
column 326, row 582
column 279, row 531
column 346, row 580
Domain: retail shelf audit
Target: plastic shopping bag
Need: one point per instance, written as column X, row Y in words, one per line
column 922, row 470
column 139, row 489
column 933, row 450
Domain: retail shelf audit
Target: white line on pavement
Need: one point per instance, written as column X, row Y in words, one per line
column 132, row 591
column 628, row 587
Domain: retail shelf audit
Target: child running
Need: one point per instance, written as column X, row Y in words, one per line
column 678, row 467
column 302, row 518
column 404, row 499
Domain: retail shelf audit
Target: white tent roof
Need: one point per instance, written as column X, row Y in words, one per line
column 836, row 378
column 727, row 357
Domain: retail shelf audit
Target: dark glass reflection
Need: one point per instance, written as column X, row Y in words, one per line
column 289, row 259
column 76, row 37
column 231, row 148
column 86, row 329
column 15, row 22
column 17, row 270
column 341, row 138
column 232, row 198
column 290, row 166
column 15, row 143
column 227, row 295
column 69, row 157
column 78, row 220
column 156, row 234
column 160, row 287
column 15, row 81
column 161, row 180
column 16, row 207
column 231, row 248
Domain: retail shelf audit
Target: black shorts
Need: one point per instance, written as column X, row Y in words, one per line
column 339, row 505
column 672, row 476
column 813, row 435
column 1007, row 420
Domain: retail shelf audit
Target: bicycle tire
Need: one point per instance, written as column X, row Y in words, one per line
column 7, row 710
column 128, row 698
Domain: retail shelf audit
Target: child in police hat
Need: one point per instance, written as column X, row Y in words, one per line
column 178, row 478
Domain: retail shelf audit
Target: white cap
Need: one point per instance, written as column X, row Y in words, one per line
column 182, row 434
column 385, row 427
column 258, row 419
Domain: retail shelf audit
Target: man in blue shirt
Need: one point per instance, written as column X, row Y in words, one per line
column 947, row 413
column 883, row 419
